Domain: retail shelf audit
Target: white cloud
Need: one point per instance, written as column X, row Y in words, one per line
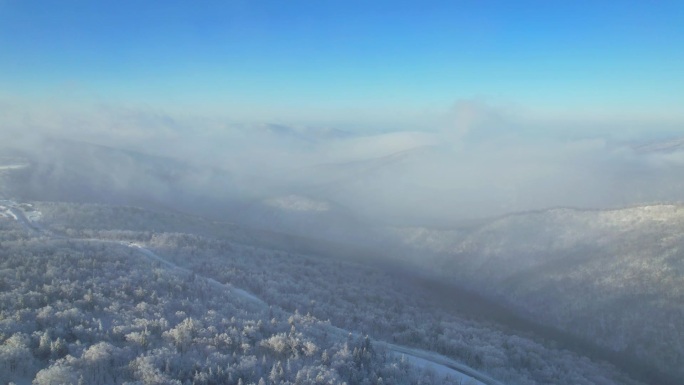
column 480, row 160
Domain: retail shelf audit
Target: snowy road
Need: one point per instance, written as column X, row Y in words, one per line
column 441, row 365
column 239, row 292
column 172, row 266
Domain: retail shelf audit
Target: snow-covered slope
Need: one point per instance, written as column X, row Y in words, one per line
column 123, row 283
column 613, row 276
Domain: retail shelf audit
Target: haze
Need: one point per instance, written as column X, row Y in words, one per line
column 415, row 111
column 484, row 191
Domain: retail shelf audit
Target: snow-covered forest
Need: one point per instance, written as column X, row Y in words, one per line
column 111, row 294
column 128, row 286
column 615, row 277
column 341, row 192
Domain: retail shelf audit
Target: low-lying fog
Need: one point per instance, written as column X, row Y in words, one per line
column 471, row 162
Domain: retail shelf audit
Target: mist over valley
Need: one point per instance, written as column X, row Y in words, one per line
column 272, row 193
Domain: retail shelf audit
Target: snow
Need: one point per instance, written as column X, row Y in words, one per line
column 298, row 203
column 34, row 216
column 442, row 371
column 10, row 209
column 6, row 212
column 238, row 292
column 12, row 166
column 148, row 253
column 246, row 295
column 441, row 364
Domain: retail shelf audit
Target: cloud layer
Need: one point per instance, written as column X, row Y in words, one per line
column 472, row 161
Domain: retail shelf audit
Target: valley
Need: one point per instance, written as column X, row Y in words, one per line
column 391, row 306
column 341, row 193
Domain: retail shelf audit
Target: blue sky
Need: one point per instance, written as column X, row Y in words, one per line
column 371, row 61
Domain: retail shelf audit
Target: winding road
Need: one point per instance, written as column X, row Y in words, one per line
column 420, row 358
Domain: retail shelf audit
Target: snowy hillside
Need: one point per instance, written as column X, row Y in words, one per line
column 97, row 303
column 127, row 280
column 613, row 276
